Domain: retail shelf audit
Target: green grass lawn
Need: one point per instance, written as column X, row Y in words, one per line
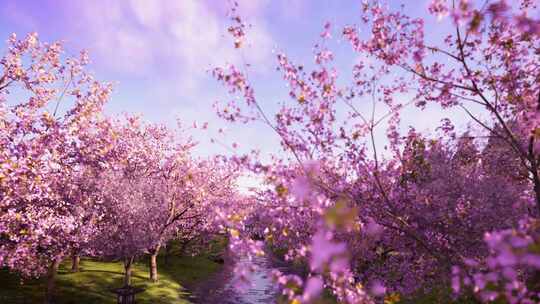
column 93, row 283
column 96, row 278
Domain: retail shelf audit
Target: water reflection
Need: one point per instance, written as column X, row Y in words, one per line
column 219, row 288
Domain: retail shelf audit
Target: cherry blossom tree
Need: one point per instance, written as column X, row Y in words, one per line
column 155, row 191
column 49, row 107
column 420, row 216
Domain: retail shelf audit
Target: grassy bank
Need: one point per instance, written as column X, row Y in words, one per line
column 93, row 283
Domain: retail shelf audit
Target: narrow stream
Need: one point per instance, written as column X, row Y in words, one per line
column 219, row 287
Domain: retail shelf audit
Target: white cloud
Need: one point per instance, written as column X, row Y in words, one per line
column 180, row 40
column 148, row 13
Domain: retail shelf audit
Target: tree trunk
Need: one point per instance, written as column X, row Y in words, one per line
column 75, row 261
column 51, row 281
column 153, row 264
column 167, row 253
column 153, row 267
column 534, row 171
column 183, row 247
column 128, row 263
column 536, row 180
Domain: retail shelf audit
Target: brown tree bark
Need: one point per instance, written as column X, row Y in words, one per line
column 51, row 281
column 167, row 254
column 536, row 180
column 75, row 262
column 128, row 263
column 153, row 264
column 153, row 268
column 534, row 172
column 183, row 247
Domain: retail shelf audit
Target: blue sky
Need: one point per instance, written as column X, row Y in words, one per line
column 158, row 53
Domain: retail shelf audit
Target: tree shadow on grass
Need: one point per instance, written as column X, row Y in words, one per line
column 95, row 280
column 187, row 270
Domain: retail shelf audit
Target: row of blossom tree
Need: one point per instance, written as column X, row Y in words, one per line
column 75, row 182
column 457, row 211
